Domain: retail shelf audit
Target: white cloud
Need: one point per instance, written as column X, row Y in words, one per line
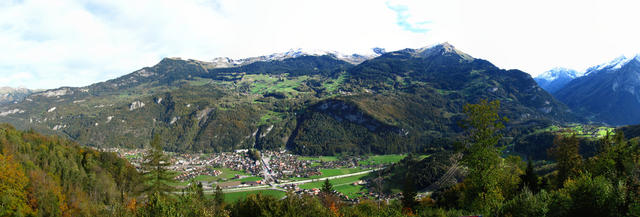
column 78, row 42
column 535, row 36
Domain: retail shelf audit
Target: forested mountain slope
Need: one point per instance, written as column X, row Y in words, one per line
column 401, row 101
column 51, row 176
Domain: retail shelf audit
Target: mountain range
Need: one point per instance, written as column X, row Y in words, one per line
column 310, row 103
column 607, row 93
column 556, row 78
column 13, row 95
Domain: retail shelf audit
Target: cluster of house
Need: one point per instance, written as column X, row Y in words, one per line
column 281, row 165
column 192, row 172
column 315, row 191
column 284, row 165
column 237, row 160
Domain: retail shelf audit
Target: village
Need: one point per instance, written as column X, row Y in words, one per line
column 276, row 170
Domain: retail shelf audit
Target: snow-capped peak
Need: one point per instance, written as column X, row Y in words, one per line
column 614, row 64
column 440, row 49
column 223, row 62
column 559, row 72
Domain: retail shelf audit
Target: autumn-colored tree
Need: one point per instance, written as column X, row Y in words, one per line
column 13, row 182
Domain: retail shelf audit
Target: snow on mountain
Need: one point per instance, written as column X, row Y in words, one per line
column 556, row 78
column 610, row 92
column 614, row 64
column 225, row 62
column 558, row 72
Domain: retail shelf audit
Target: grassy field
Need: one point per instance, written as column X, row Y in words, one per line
column 350, row 190
column 342, row 185
column 584, row 131
column 235, row 196
column 320, row 158
column 333, row 172
column 335, row 182
column 383, row 159
column 226, row 174
column 332, row 85
column 261, row 83
column 229, row 173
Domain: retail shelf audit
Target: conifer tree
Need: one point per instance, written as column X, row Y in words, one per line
column 218, row 196
column 530, row 179
column 409, row 194
column 327, row 188
column 155, row 169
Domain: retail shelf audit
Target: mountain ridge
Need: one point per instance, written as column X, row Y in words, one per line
column 607, row 93
column 406, row 100
column 556, row 78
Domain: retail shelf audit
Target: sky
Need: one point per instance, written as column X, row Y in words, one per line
column 53, row 43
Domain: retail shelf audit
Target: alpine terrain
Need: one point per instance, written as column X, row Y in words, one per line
column 608, row 93
column 556, row 78
column 311, row 103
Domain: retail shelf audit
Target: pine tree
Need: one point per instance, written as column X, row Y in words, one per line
column 327, row 188
column 155, row 172
column 218, row 196
column 530, row 179
column 409, row 194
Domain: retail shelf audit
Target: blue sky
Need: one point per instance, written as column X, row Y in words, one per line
column 47, row 44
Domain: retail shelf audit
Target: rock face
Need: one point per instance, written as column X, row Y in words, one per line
column 555, row 79
column 608, row 93
column 136, row 105
column 311, row 103
column 10, row 95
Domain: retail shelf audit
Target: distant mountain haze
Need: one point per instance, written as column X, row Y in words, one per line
column 608, row 93
column 556, row 78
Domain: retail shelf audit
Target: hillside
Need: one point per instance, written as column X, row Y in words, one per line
column 12, row 95
column 50, row 176
column 401, row 101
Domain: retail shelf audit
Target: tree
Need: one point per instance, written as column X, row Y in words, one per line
column 327, row 188
column 529, row 179
column 409, row 195
column 566, row 152
column 481, row 156
column 13, row 183
column 218, row 196
column 615, row 159
column 155, row 172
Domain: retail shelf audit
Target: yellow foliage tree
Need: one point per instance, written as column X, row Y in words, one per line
column 13, row 200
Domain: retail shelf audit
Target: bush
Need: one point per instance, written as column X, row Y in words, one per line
column 586, row 196
column 526, row 204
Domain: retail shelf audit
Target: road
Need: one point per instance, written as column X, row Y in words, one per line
column 277, row 186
